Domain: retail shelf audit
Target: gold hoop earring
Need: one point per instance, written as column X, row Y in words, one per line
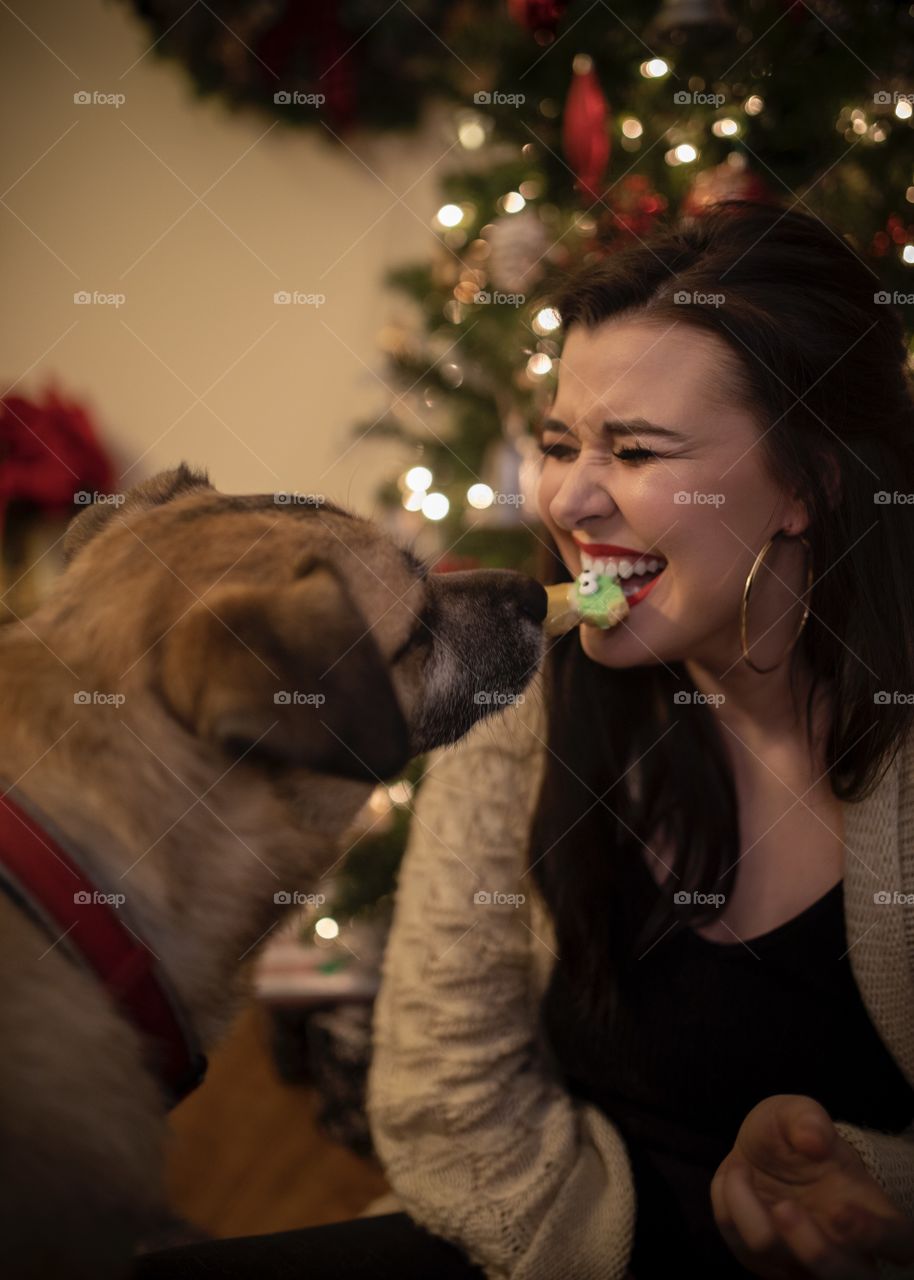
column 744, row 606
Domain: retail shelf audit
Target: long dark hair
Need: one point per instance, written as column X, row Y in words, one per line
column 822, row 362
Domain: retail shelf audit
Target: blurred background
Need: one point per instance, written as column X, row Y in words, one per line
column 311, row 248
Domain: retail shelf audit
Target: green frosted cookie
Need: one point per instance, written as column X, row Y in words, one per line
column 600, row 599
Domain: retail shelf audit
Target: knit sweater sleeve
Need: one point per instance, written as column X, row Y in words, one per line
column 481, row 1143
column 889, row 1159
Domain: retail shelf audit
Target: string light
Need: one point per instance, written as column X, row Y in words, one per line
column 435, row 506
column 546, row 321
column 632, row 128
column 753, row 105
column 907, row 254
column 480, row 496
column 903, row 109
column 418, row 478
column 513, row 202
column 449, row 215
column 471, row 135
column 654, row 68
column 725, row 128
column 413, row 500
column 327, row 928
column 539, row 365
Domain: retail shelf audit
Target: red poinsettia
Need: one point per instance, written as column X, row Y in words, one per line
column 49, row 451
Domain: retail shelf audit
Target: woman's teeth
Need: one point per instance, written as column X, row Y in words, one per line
column 624, row 569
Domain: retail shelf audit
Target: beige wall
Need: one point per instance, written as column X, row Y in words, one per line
column 98, row 201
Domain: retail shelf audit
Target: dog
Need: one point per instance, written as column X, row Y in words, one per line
column 192, row 719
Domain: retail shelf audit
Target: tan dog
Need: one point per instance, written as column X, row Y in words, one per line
column 195, row 716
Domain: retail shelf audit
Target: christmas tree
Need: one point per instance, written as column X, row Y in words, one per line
column 591, row 125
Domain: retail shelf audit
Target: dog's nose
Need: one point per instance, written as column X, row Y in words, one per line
column 532, row 599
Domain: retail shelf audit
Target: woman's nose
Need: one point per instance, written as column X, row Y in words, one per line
column 579, row 498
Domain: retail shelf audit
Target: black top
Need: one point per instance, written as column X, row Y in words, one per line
column 705, row 1030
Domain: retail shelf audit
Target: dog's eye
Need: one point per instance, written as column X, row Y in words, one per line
column 417, row 639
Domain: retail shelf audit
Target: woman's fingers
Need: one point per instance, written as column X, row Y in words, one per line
column 744, row 1224
column 888, row 1236
column 811, row 1247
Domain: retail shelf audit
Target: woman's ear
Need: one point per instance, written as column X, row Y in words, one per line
column 289, row 674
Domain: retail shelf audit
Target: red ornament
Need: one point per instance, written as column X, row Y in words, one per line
column 537, row 15
column 585, row 131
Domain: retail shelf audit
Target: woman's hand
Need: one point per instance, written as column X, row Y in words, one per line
column 794, row 1200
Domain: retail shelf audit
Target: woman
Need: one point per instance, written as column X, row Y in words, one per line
column 702, row 1053
column 648, row 998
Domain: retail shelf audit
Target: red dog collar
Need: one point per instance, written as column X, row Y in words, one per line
column 43, row 876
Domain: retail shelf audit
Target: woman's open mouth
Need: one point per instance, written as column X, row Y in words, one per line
column 635, row 575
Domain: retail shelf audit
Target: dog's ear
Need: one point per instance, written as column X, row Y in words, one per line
column 286, row 674
column 160, row 488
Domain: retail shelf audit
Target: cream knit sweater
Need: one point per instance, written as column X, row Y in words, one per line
column 481, row 1142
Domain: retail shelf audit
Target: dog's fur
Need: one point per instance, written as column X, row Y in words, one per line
column 200, row 797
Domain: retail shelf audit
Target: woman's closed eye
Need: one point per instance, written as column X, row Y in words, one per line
column 564, row 452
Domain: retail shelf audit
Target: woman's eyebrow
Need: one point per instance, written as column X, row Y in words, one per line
column 619, row 426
